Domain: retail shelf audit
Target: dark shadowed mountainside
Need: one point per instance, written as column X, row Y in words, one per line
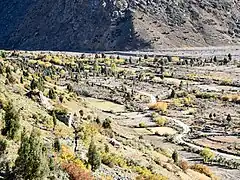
column 88, row 25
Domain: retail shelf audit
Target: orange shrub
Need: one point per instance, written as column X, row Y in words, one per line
column 183, row 165
column 203, row 169
column 231, row 97
column 77, row 173
column 159, row 106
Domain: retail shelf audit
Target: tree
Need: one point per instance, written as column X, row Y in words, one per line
column 32, row 162
column 54, row 119
column 175, row 156
column 107, row 123
column 21, row 80
column 12, row 121
column 181, row 85
column 81, row 112
column 93, row 156
column 61, row 97
column 229, row 118
column 3, row 146
column 207, row 154
column 210, row 116
column 1, row 68
column 3, row 54
column 173, row 94
column 8, row 70
column 51, row 94
column 229, row 57
column 69, row 88
column 215, row 59
column 33, row 84
column 57, row 145
column 10, row 78
column 40, row 84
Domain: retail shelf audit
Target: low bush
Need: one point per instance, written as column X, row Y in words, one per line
column 203, row 169
column 107, row 123
column 159, row 106
column 160, row 120
column 183, row 165
column 112, row 160
column 142, row 125
column 76, row 173
column 146, row 174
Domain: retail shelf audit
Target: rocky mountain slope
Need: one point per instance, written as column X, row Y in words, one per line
column 118, row 24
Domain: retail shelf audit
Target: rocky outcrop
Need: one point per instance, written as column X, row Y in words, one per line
column 88, row 25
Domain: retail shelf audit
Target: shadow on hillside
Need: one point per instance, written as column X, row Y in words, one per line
column 42, row 26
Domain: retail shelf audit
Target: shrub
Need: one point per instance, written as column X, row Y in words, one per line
column 142, row 125
column 160, row 120
column 106, row 148
column 159, row 106
column 207, row 154
column 76, row 173
column 152, row 177
column 89, row 130
column 146, row 174
column 111, row 160
column 107, row 123
column 203, row 169
column 183, row 165
column 60, row 110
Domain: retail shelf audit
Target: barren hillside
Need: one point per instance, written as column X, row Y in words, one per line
column 118, row 24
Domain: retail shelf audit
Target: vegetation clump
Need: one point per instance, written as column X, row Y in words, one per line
column 12, row 121
column 32, row 160
column 93, row 156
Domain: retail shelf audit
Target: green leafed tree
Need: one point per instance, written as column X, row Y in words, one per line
column 51, row 94
column 93, row 156
column 33, row 84
column 12, row 121
column 32, row 162
column 54, row 120
column 175, row 156
column 207, row 154
column 57, row 145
